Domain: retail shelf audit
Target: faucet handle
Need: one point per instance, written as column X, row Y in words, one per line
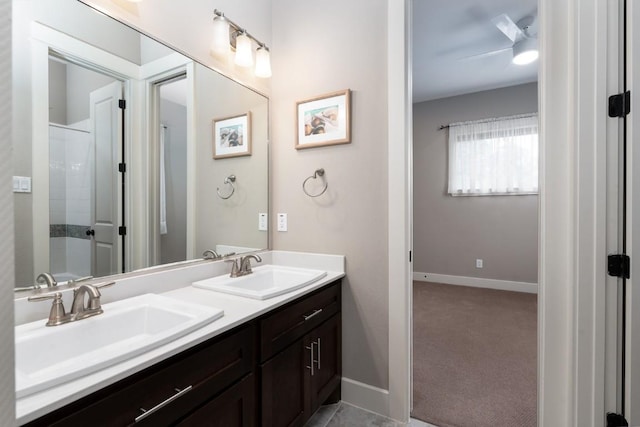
column 234, row 266
column 57, row 315
column 103, row 284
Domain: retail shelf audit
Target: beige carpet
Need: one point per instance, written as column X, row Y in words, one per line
column 474, row 356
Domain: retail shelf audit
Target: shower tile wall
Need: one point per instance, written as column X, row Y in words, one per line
column 70, row 199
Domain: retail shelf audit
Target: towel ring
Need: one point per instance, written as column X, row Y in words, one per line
column 228, row 180
column 316, row 174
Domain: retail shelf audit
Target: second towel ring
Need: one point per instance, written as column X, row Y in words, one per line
column 228, row 180
column 316, row 174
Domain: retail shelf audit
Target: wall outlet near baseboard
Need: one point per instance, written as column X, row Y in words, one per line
column 479, row 263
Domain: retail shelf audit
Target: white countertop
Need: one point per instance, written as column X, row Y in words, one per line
column 237, row 310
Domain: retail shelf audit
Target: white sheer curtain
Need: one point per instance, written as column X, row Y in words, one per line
column 163, row 190
column 494, row 156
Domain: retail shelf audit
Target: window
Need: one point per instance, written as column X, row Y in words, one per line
column 494, row 157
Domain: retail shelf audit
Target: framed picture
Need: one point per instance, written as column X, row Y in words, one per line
column 324, row 120
column 232, row 136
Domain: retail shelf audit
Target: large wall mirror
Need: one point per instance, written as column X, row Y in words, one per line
column 113, row 149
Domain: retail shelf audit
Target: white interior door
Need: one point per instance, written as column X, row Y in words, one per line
column 106, row 121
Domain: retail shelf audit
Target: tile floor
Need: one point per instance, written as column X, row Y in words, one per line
column 344, row 415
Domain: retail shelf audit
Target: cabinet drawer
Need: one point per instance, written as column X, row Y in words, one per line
column 291, row 322
column 186, row 381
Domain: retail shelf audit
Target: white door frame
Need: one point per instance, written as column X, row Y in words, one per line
column 43, row 40
column 573, row 84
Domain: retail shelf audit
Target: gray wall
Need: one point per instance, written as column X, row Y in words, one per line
column 320, row 49
column 7, row 389
column 57, row 92
column 173, row 245
column 233, row 221
column 450, row 233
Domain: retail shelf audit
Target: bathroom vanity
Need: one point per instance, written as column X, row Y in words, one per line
column 274, row 367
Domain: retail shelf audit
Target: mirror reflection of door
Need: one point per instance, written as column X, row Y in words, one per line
column 84, row 149
column 172, row 169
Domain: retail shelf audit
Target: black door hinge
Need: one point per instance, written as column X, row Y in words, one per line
column 620, row 104
column 122, row 167
column 122, row 104
column 616, row 420
column 619, row 265
column 122, row 231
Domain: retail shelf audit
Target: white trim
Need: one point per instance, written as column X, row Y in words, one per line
column 365, row 396
column 399, row 206
column 477, row 282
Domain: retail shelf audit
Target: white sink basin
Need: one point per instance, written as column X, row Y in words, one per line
column 49, row 356
column 265, row 282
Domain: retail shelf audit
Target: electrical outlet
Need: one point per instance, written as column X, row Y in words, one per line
column 263, row 222
column 479, row 263
column 282, row 222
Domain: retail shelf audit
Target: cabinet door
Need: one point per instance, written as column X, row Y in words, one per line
column 233, row 408
column 284, row 381
column 326, row 341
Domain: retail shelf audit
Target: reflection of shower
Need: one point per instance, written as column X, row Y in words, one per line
column 70, row 178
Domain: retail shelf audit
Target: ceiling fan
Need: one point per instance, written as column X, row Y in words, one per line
column 524, row 45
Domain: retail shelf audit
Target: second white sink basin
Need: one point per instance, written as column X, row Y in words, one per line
column 49, row 356
column 265, row 282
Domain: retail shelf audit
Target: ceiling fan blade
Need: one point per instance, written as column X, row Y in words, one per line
column 508, row 27
column 486, row 54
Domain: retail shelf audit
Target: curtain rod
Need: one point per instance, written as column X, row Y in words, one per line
column 492, row 119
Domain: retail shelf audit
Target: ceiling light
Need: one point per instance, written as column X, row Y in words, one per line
column 525, row 51
column 263, row 62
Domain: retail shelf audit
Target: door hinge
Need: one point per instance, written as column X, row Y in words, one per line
column 122, row 167
column 620, row 104
column 410, row 255
column 619, row 265
column 122, row 231
column 122, row 104
column 616, row 420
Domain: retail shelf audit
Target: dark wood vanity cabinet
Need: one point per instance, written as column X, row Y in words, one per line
column 259, row 373
column 307, row 370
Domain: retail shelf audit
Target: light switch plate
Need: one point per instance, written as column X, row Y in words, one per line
column 22, row 184
column 263, row 221
column 282, row 222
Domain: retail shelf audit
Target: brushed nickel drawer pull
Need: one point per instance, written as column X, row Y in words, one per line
column 315, row 313
column 319, row 354
column 146, row 413
column 311, row 358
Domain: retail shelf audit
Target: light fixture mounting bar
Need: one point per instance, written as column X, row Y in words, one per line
column 237, row 28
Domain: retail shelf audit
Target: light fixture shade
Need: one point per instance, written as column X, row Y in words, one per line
column 263, row 62
column 220, row 42
column 244, row 55
column 525, row 51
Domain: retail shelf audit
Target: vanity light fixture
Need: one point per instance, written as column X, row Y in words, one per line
column 228, row 36
column 525, row 51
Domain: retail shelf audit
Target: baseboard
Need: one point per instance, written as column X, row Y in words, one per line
column 365, row 396
column 477, row 282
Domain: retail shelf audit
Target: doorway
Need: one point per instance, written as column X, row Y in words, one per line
column 172, row 169
column 475, row 239
column 85, row 146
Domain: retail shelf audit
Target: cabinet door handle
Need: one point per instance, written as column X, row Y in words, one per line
column 315, row 313
column 146, row 413
column 319, row 351
column 311, row 358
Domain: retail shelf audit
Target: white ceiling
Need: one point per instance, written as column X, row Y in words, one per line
column 446, row 33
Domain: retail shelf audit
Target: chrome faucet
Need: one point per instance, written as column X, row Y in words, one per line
column 210, row 254
column 244, row 266
column 79, row 310
column 46, row 279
